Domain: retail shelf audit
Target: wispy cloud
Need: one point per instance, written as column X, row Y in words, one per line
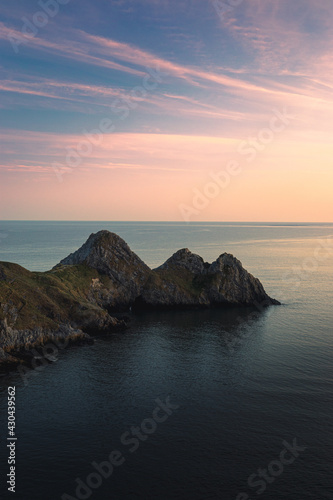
column 123, row 150
column 100, row 96
column 97, row 50
column 283, row 37
column 69, row 48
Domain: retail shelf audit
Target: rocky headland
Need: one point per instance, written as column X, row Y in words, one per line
column 78, row 297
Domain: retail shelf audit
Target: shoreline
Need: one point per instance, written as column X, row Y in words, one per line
column 82, row 296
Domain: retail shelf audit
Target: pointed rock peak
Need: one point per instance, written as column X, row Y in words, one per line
column 106, row 252
column 105, row 237
column 103, row 240
column 182, row 253
column 185, row 259
column 229, row 259
column 223, row 261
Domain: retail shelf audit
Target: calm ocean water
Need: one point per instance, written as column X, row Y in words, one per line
column 247, row 384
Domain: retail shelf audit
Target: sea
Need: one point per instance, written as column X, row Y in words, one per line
column 183, row 405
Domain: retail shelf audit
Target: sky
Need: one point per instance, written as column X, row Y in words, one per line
column 182, row 110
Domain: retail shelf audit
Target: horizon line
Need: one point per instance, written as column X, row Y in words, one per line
column 170, row 221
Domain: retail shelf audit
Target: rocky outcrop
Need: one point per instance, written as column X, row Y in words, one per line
column 185, row 280
column 40, row 307
column 184, row 259
column 77, row 297
column 112, row 257
column 21, row 346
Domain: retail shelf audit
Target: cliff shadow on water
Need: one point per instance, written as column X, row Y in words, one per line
column 83, row 295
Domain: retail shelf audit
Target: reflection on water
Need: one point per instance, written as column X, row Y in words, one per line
column 244, row 381
column 238, row 400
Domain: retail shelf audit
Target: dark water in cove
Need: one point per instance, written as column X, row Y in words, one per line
column 243, row 386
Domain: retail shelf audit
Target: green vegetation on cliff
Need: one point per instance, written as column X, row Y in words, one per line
column 76, row 297
column 34, row 299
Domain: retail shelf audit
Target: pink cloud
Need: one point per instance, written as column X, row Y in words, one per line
column 122, row 151
column 267, row 34
column 276, row 38
column 84, row 44
column 68, row 48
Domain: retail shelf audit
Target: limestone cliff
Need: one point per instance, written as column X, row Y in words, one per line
column 110, row 255
column 186, row 280
column 77, row 297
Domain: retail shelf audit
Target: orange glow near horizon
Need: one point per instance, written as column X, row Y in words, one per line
column 126, row 128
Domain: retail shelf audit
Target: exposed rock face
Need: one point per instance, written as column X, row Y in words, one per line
column 186, row 280
column 75, row 298
column 44, row 307
column 110, row 255
column 18, row 346
column 186, row 260
column 235, row 285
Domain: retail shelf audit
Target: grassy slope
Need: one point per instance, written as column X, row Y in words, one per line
column 184, row 280
column 35, row 299
column 46, row 299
